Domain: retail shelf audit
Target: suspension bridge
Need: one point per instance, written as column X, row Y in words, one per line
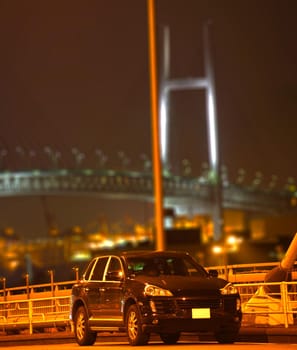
column 185, row 192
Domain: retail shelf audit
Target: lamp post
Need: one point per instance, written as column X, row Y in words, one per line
column 54, row 156
column 3, row 280
column 3, row 154
column 187, row 168
column 32, row 155
column 123, row 159
column 21, row 153
column 229, row 244
column 51, row 273
column 78, row 156
column 147, row 164
column 101, row 158
column 157, row 167
column 76, row 272
column 27, row 285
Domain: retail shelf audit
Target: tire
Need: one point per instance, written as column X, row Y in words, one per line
column 170, row 338
column 226, row 337
column 134, row 327
column 39, row 330
column 13, row 331
column 82, row 333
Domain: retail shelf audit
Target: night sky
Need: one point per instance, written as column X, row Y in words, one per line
column 75, row 74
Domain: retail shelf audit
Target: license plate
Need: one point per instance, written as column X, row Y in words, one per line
column 201, row 313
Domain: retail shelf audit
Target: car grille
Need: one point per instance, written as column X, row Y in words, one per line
column 200, row 303
column 173, row 306
column 164, row 306
column 230, row 305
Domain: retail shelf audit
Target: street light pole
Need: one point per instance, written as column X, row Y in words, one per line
column 157, row 168
column 3, row 280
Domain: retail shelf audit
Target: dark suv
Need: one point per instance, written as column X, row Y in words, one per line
column 153, row 292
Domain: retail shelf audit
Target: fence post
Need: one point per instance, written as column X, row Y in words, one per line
column 284, row 301
column 30, row 317
column 3, row 280
column 51, row 273
column 27, row 285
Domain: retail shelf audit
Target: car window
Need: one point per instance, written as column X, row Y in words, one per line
column 177, row 266
column 98, row 270
column 194, row 269
column 115, row 270
column 89, row 269
column 165, row 265
column 147, row 266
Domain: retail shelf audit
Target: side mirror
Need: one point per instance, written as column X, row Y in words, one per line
column 213, row 273
column 114, row 276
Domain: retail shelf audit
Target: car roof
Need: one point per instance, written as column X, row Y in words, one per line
column 154, row 253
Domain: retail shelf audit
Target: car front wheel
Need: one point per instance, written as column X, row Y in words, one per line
column 134, row 327
column 82, row 333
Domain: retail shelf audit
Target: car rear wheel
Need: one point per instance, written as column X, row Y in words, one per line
column 170, row 338
column 226, row 337
column 134, row 327
column 82, row 333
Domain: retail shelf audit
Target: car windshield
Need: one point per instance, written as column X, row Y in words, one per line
column 165, row 265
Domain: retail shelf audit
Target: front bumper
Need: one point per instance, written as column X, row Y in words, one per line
column 157, row 320
column 171, row 324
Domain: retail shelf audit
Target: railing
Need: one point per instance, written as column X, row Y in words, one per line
column 39, row 307
column 269, row 304
column 35, row 307
column 245, row 273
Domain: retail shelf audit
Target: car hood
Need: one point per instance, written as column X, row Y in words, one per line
column 185, row 285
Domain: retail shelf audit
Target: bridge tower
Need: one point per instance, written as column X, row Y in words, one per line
column 207, row 83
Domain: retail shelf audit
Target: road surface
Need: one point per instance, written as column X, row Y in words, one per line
column 154, row 346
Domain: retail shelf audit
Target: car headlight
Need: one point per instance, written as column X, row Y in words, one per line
column 229, row 289
column 154, row 291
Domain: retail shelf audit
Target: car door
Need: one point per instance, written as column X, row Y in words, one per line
column 112, row 292
column 93, row 289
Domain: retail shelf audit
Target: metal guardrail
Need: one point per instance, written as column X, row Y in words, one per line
column 38, row 307
column 34, row 313
column 35, row 307
column 269, row 304
column 246, row 273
